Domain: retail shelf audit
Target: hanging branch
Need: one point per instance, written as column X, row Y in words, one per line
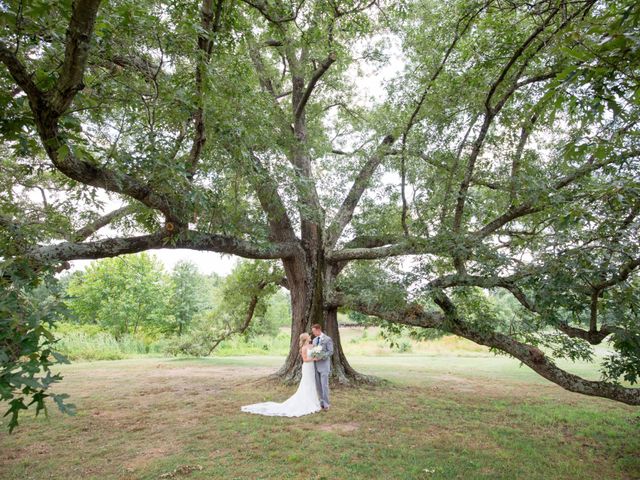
column 449, row 320
column 253, row 303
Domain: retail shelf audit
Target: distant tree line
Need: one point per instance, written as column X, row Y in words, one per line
column 134, row 294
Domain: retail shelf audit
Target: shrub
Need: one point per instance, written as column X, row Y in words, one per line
column 404, row 346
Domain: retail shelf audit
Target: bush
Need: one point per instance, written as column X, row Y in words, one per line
column 64, row 328
column 30, row 303
column 404, row 346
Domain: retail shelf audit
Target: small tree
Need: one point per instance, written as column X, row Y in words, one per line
column 188, row 292
column 124, row 295
column 243, row 302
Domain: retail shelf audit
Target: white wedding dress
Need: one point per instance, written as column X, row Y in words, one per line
column 303, row 402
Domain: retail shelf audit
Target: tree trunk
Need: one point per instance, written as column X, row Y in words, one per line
column 341, row 371
column 308, row 276
column 307, row 308
column 290, row 371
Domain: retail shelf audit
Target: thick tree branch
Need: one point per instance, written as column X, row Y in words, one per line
column 77, row 42
column 140, row 64
column 517, row 54
column 593, row 335
column 89, row 173
column 623, row 273
column 345, row 213
column 192, row 239
column 322, row 68
column 422, row 246
column 265, row 82
column 517, row 157
column 409, row 246
column 91, row 228
column 265, row 9
column 414, row 115
column 209, row 23
column 489, row 115
column 361, row 242
column 372, row 241
column 454, row 169
column 271, row 202
column 533, row 357
column 270, row 42
column 528, row 208
column 20, row 74
column 491, row 111
column 47, row 108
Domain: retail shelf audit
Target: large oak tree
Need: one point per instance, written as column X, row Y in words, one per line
column 502, row 156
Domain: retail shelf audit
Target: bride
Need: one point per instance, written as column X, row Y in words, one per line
column 304, row 401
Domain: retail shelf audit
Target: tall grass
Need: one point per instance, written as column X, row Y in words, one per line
column 89, row 342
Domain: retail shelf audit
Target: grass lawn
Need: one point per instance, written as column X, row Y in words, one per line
column 441, row 416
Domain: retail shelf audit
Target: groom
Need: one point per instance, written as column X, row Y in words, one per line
column 323, row 364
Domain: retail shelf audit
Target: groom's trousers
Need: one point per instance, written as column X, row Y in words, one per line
column 322, row 385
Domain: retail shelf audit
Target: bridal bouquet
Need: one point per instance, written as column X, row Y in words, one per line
column 316, row 352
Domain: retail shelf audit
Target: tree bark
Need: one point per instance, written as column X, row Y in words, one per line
column 296, row 279
column 309, row 276
column 341, row 371
column 308, row 285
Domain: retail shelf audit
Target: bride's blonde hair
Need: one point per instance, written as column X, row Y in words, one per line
column 304, row 338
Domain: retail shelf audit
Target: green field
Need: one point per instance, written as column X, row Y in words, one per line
column 464, row 414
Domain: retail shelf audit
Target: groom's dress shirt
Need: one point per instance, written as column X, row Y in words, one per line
column 316, row 341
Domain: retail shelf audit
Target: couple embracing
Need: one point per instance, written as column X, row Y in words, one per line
column 312, row 394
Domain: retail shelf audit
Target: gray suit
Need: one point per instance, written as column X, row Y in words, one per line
column 323, row 368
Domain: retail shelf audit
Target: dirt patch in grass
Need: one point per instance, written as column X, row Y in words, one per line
column 340, row 427
column 336, row 427
column 147, row 456
column 165, row 369
column 458, row 383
